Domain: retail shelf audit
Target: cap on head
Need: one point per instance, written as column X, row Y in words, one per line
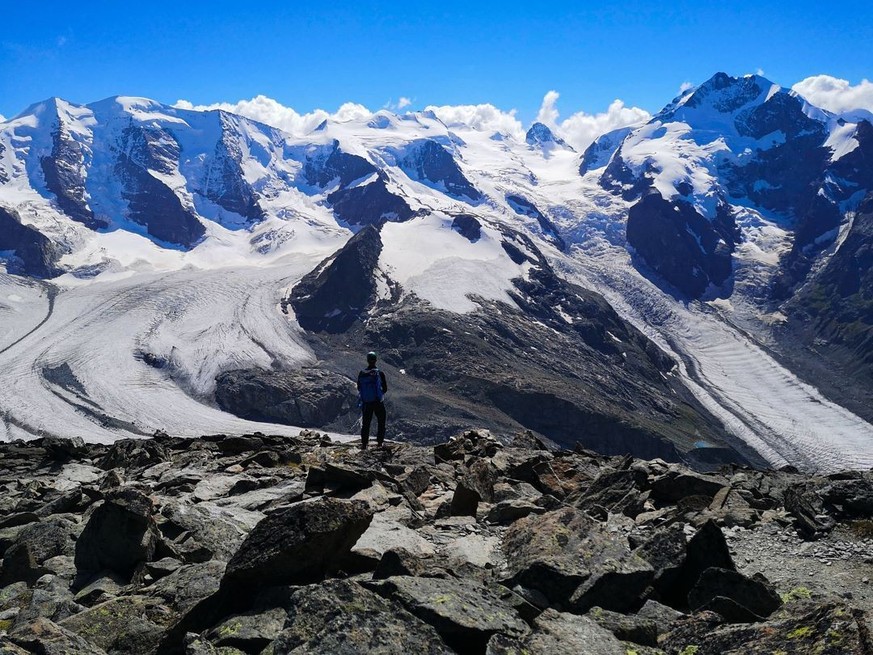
column 371, row 357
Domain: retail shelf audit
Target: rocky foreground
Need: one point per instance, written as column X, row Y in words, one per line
column 261, row 544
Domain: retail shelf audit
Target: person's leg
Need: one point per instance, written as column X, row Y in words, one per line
column 365, row 424
column 380, row 418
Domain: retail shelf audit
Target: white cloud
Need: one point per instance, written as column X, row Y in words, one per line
column 548, row 114
column 403, row 102
column 270, row 112
column 685, row 86
column 487, row 118
column 580, row 129
column 760, row 72
column 835, row 94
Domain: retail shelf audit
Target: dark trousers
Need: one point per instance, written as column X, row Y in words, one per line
column 377, row 408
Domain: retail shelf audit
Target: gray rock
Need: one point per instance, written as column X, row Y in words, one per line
column 50, row 598
column 309, row 397
column 341, row 618
column 101, row 589
column 48, row 638
column 128, row 624
column 508, row 511
column 465, row 613
column 120, row 534
column 560, row 634
column 677, row 483
column 627, row 627
column 297, row 545
column 250, row 632
column 197, row 533
column 475, row 485
column 757, row 595
column 187, row 585
column 34, row 544
column 575, row 562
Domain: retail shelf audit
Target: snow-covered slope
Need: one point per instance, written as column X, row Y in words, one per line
column 171, row 237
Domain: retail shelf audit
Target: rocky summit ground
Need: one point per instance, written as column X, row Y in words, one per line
column 262, row 544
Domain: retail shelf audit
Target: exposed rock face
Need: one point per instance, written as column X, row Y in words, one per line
column 469, row 226
column 834, row 313
column 525, row 207
column 335, row 295
column 35, row 254
column 343, row 617
column 307, row 398
column 64, row 176
column 151, row 203
column 369, row 204
column 540, row 135
column 224, row 182
column 336, row 167
column 428, row 161
column 684, row 248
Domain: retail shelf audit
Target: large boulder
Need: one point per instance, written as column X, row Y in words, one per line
column 120, row 534
column 754, row 594
column 48, row 638
column 575, row 562
column 342, row 618
column 310, row 397
column 298, row 545
column 128, row 624
column 34, row 544
column 557, row 632
column 829, row 628
column 465, row 613
column 476, row 485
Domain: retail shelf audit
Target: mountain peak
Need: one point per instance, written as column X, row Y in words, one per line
column 540, row 134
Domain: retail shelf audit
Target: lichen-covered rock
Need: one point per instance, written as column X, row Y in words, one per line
column 342, row 618
column 129, row 624
column 250, row 632
column 799, row 628
column 560, row 633
column 575, row 562
column 35, row 543
column 48, row 638
column 465, row 613
column 298, row 545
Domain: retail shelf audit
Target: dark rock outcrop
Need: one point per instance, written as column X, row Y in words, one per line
column 336, row 294
column 525, row 207
column 35, row 254
column 307, row 398
column 65, row 177
column 151, row 203
column 687, row 250
column 428, row 161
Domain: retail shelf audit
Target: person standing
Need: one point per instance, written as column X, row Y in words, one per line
column 372, row 388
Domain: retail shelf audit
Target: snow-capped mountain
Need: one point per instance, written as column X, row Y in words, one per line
column 178, row 242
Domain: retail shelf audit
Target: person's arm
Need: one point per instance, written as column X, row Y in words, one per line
column 384, row 383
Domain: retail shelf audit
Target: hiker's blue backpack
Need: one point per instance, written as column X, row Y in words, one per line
column 370, row 383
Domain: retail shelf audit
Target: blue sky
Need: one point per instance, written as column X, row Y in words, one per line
column 505, row 53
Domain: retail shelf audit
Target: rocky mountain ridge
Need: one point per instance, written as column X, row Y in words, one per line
column 262, row 544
